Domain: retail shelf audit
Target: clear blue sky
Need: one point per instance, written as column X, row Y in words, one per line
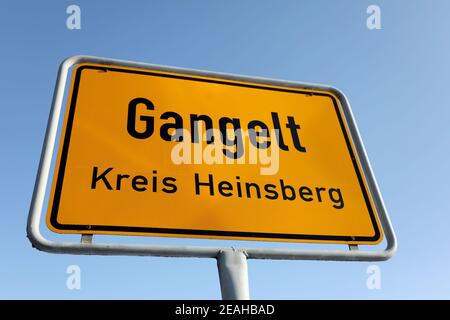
column 396, row 80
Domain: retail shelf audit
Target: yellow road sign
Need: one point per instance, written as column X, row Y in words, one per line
column 147, row 152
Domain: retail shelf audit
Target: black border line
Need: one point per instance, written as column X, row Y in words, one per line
column 65, row 150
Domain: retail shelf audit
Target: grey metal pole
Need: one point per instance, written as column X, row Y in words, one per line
column 233, row 275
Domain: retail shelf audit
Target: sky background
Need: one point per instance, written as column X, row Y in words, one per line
column 396, row 80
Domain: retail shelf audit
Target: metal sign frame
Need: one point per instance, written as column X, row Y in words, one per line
column 231, row 261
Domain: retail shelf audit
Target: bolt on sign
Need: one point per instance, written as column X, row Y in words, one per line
column 178, row 153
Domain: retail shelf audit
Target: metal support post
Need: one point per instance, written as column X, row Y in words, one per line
column 233, row 275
